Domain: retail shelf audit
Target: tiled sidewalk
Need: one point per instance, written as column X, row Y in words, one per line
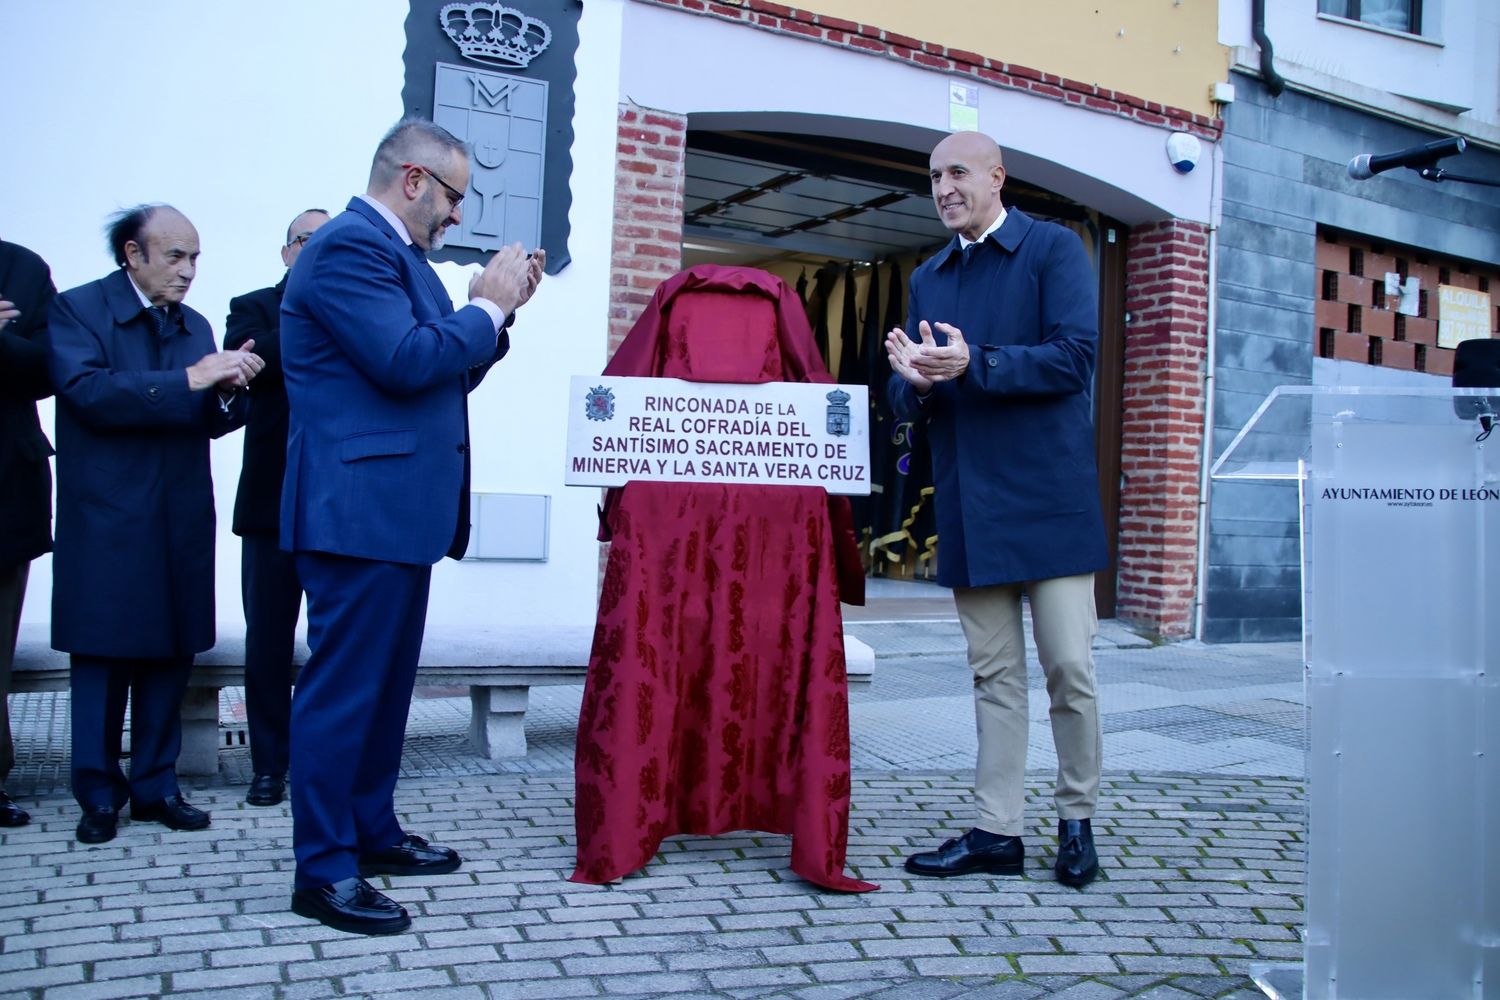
column 1200, row 834
column 1201, row 876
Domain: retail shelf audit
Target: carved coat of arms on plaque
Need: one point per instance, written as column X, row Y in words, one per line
column 838, row 416
column 599, row 404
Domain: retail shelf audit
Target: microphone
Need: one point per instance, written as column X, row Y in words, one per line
column 1476, row 364
column 1365, row 165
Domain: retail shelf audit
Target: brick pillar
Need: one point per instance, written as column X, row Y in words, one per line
column 650, row 150
column 649, row 153
column 1161, row 449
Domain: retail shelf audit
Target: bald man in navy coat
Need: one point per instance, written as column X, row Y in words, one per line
column 997, row 361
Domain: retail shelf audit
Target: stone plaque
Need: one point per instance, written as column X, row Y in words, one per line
column 504, row 119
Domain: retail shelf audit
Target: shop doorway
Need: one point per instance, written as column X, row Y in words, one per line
column 846, row 221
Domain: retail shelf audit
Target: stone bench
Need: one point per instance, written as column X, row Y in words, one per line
column 500, row 665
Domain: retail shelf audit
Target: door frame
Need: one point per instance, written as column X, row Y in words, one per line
column 1109, row 393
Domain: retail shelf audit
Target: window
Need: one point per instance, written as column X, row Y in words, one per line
column 1397, row 15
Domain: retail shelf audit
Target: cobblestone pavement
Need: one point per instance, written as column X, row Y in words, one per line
column 1200, row 832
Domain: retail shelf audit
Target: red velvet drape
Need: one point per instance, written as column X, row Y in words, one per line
column 716, row 697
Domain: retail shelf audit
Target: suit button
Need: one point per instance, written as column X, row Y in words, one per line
column 462, row 448
column 993, row 362
column 154, row 392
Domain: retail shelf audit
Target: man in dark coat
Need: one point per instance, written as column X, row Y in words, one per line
column 25, row 477
column 140, row 390
column 997, row 363
column 268, row 576
column 378, row 365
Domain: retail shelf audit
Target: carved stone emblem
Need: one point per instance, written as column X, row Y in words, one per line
column 504, row 119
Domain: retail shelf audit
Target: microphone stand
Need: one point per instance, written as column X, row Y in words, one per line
column 1433, row 172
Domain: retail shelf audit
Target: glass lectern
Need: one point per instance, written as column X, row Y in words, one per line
column 1400, row 509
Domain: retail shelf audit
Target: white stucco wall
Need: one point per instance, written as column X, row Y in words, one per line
column 1452, row 62
column 244, row 112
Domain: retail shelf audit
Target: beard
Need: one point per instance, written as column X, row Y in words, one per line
column 439, row 216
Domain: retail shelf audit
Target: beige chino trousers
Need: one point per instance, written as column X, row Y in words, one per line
column 1064, row 622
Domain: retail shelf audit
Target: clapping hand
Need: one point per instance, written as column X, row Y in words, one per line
column 509, row 278
column 901, row 351
column 941, row 363
column 537, row 266
column 226, row 370
column 924, row 362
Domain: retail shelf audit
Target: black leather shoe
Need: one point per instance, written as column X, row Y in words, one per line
column 352, row 905
column 960, row 856
column 412, row 856
column 12, row 814
column 98, row 825
column 1077, row 861
column 266, row 790
column 171, row 812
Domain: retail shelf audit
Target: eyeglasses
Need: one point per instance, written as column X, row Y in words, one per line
column 454, row 194
column 299, row 239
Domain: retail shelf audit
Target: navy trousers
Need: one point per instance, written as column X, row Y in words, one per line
column 12, row 593
column 272, row 593
column 364, row 633
column 100, row 688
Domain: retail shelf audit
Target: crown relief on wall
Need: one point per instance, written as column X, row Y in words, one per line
column 495, row 34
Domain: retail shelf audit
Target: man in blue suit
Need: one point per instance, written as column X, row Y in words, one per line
column 377, row 366
column 998, row 361
column 140, row 391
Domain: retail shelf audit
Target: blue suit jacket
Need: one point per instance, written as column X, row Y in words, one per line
column 377, row 365
column 1017, row 490
column 133, row 570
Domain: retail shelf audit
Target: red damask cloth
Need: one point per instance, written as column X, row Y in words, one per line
column 716, row 697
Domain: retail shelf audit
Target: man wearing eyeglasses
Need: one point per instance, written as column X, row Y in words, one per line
column 377, row 365
column 269, row 586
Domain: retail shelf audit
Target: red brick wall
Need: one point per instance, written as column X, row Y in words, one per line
column 782, row 19
column 650, row 149
column 1161, row 450
column 1356, row 321
column 649, row 152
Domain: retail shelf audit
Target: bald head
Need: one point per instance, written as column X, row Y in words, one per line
column 967, row 174
column 972, row 147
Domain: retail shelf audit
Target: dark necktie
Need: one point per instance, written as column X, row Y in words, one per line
column 160, row 325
